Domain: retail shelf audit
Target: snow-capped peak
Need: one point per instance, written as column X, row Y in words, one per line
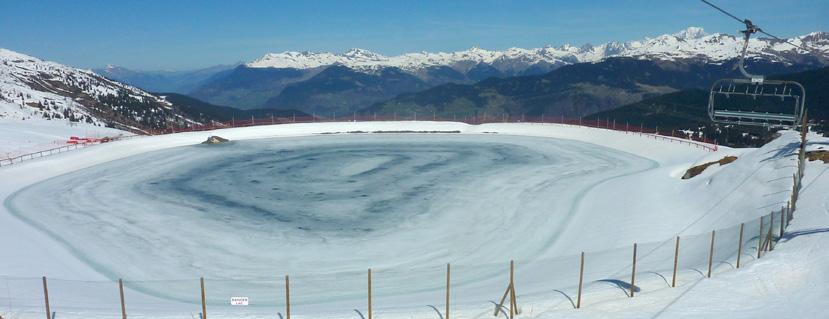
column 692, row 42
column 361, row 54
column 690, row 33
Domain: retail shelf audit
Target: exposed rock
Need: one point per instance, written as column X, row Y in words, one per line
column 213, row 139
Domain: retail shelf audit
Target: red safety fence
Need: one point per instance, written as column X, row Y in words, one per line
column 72, row 144
column 610, row 124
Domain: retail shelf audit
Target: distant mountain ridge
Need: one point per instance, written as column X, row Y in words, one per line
column 163, row 81
column 691, row 43
column 344, row 90
column 292, row 79
column 574, row 90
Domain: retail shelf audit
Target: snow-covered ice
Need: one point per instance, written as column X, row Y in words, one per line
column 283, row 200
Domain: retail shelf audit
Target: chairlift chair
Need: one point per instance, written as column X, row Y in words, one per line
column 755, row 101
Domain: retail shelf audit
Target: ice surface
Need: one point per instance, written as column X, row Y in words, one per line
column 314, row 205
column 569, row 194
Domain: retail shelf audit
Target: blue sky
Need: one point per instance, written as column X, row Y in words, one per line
column 177, row 35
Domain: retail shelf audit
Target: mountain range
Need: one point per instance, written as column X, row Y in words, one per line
column 164, row 81
column 563, row 81
column 572, row 91
column 302, row 80
column 32, row 88
column 690, row 43
column 374, row 77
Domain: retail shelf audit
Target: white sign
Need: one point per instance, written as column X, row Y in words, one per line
column 239, row 301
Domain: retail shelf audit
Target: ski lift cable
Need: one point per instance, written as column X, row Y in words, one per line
column 723, row 11
column 747, row 22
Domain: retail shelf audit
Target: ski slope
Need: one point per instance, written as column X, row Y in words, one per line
column 285, row 199
column 23, row 132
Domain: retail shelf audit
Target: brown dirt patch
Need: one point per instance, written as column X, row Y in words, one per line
column 818, row 156
column 696, row 170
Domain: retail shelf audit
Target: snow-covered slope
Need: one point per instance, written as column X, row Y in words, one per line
column 34, row 134
column 691, row 43
column 650, row 203
column 49, row 90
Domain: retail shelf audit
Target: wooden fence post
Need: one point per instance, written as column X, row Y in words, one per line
column 46, row 299
column 633, row 272
column 203, row 303
column 448, row 281
column 121, row 293
column 740, row 245
column 513, row 309
column 788, row 212
column 369, row 293
column 287, row 297
column 769, row 243
column 676, row 261
column 711, row 254
column 501, row 302
column 782, row 221
column 581, row 279
column 760, row 238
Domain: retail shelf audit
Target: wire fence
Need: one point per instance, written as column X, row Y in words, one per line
column 504, row 289
column 570, row 281
column 609, row 124
column 57, row 150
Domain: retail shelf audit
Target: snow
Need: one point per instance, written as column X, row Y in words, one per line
column 88, row 216
column 692, row 42
column 31, row 88
column 18, row 137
